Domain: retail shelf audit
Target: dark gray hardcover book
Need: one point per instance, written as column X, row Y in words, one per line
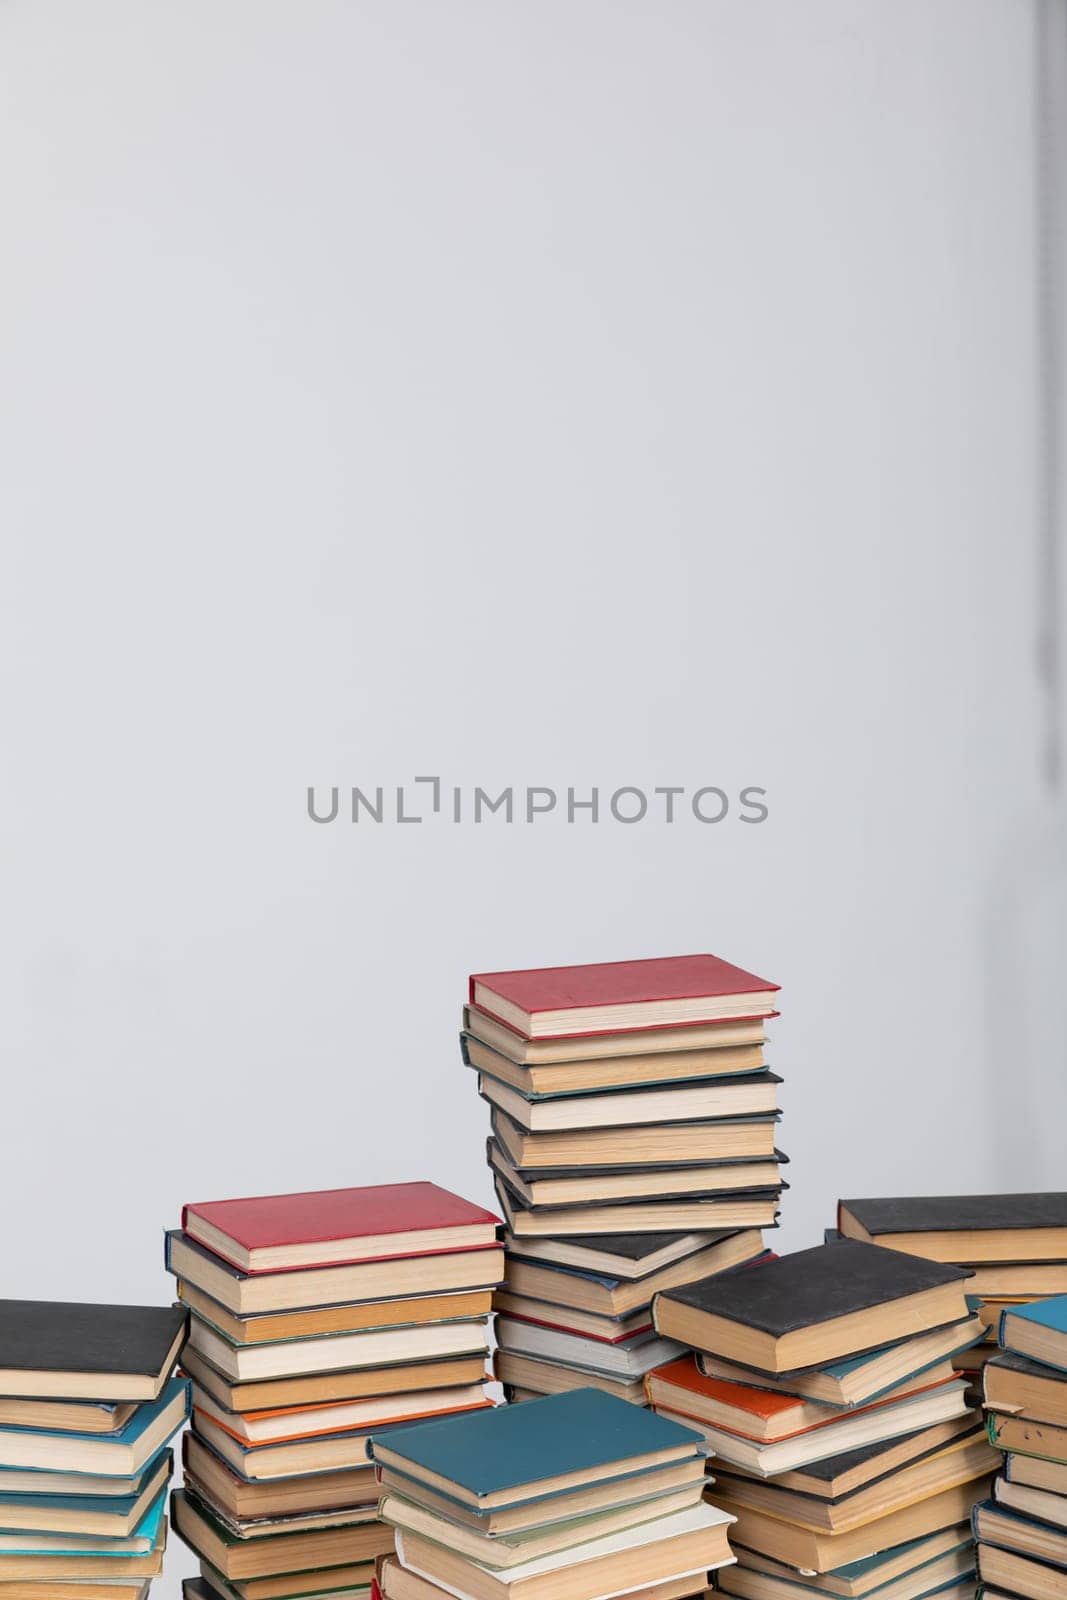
column 952, row 1213
column 817, row 1285
column 65, row 1339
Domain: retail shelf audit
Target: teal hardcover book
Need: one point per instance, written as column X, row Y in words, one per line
column 123, row 1453
column 1038, row 1330
column 583, row 1431
column 870, row 1564
column 140, row 1542
column 112, row 1512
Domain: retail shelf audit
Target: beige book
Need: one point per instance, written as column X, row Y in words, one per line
column 692, row 1542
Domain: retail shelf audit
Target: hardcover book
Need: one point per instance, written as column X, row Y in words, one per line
column 87, row 1352
column 693, row 1541
column 616, row 996
column 813, row 1306
column 336, row 1227
column 124, row 1453
column 488, row 1457
column 246, row 1294
column 1038, row 1330
column 968, row 1228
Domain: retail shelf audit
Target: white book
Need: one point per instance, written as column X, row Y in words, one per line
column 948, row 1400
column 631, row 1108
column 697, row 1519
column 625, row 1360
column 372, row 1347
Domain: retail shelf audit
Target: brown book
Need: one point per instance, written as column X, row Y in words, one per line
column 737, row 1139
column 241, row 1499
column 396, row 1583
column 312, row 1322
column 950, row 1577
column 505, row 1552
column 324, row 1387
column 244, row 1293
column 71, row 1589
column 73, row 1566
column 690, row 1214
column 1008, row 1574
column 634, row 1489
column 691, row 1542
column 611, row 1072
column 898, row 1564
column 1048, row 1476
column 1028, row 1437
column 548, row 1377
column 969, row 1458
column 334, row 1581
column 608, row 1046
column 910, row 1559
column 542, row 1280
column 277, row 1553
column 843, row 1474
column 825, row 1552
column 580, row 1187
column 1013, row 1384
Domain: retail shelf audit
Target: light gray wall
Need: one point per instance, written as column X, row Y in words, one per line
column 566, row 393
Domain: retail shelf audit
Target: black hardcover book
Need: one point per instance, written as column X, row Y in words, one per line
column 639, row 1247
column 860, row 1296
column 534, row 1174
column 975, row 1228
column 866, row 1461
column 683, row 1197
column 57, row 1348
column 816, row 1285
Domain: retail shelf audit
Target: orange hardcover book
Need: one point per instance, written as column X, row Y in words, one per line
column 762, row 1415
column 261, row 1431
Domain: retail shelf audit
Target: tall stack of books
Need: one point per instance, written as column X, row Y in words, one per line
column 571, row 1497
column 826, row 1387
column 1022, row 1529
column 633, row 1149
column 315, row 1319
column 88, row 1403
column 1014, row 1244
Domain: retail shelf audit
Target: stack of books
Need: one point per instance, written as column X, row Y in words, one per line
column 1014, row 1244
column 570, row 1497
column 315, row 1319
column 826, row 1386
column 88, row 1403
column 1022, row 1529
column 633, row 1149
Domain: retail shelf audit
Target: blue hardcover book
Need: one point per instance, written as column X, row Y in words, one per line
column 484, row 1457
column 114, row 1516
column 920, row 1548
column 1038, row 1330
column 139, row 1543
column 994, row 1524
column 122, row 1454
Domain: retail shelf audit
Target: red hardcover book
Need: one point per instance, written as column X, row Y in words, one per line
column 621, row 996
column 761, row 1414
column 337, row 1227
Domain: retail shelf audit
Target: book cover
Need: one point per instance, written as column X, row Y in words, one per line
column 1051, row 1314
column 107, row 1341
column 814, row 1286
column 513, row 997
column 950, row 1213
column 374, row 1212
column 509, row 1446
column 129, row 1434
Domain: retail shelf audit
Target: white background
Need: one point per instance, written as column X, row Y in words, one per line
column 561, row 393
